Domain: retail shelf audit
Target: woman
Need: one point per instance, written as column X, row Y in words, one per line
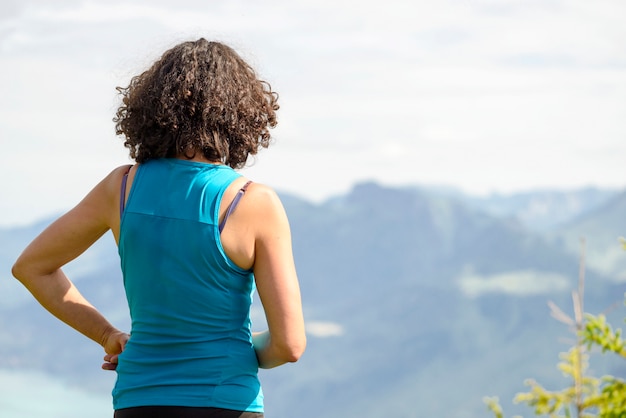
column 194, row 237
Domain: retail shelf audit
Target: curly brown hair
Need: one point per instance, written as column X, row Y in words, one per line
column 199, row 96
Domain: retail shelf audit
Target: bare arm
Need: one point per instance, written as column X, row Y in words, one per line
column 39, row 265
column 277, row 283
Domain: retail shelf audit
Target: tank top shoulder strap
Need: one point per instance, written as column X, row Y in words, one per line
column 123, row 190
column 233, row 204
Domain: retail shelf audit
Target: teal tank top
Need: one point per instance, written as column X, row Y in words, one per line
column 189, row 304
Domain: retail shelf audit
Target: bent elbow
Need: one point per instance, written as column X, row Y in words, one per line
column 18, row 271
column 295, row 356
column 294, row 351
column 24, row 271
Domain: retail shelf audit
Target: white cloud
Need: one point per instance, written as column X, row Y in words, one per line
column 324, row 329
column 521, row 283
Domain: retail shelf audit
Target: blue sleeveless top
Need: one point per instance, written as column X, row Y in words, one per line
column 189, row 303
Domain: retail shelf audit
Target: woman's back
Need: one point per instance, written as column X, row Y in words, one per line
column 189, row 302
column 195, row 115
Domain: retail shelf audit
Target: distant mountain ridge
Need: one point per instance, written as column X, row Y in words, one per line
column 539, row 210
column 417, row 303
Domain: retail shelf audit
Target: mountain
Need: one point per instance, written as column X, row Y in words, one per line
column 600, row 230
column 417, row 303
column 538, row 210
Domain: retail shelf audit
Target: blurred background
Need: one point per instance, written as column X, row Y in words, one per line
column 485, row 95
column 439, row 161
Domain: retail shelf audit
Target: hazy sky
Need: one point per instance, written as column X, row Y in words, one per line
column 484, row 95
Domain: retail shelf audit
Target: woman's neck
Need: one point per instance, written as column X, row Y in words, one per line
column 198, row 157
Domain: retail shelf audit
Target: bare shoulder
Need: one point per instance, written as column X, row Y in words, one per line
column 264, row 201
column 76, row 230
column 113, row 180
column 110, row 186
column 104, row 199
column 107, row 190
column 263, row 194
column 259, row 216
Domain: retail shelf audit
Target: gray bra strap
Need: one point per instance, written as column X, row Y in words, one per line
column 233, row 205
